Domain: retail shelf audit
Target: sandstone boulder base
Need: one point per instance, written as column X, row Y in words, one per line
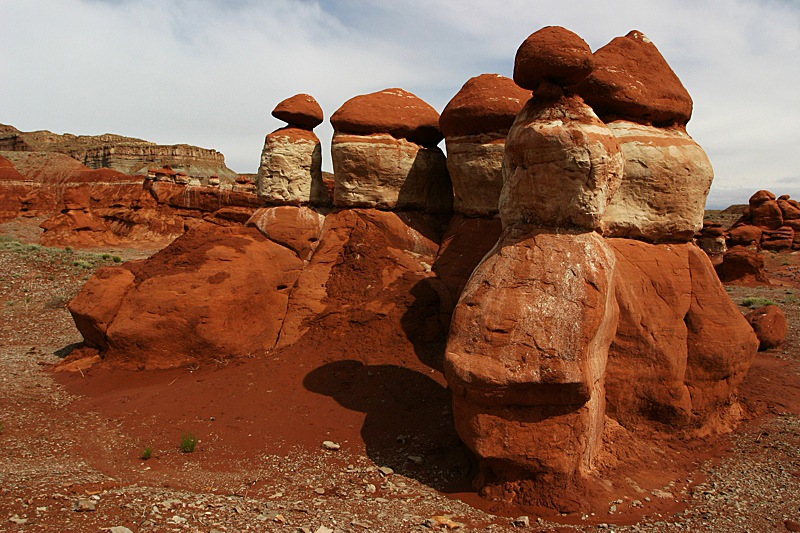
column 300, row 110
column 385, row 172
column 393, row 111
column 552, row 54
column 745, row 235
column 296, row 228
column 205, row 297
column 368, row 289
column 664, row 185
column 525, row 359
column 562, row 165
column 291, row 169
column 681, row 346
column 770, row 326
column 631, row 80
column 475, row 124
column 743, row 266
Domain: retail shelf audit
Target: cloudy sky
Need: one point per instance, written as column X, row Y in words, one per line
column 209, row 72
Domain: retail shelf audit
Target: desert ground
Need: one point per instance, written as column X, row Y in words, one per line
column 289, row 443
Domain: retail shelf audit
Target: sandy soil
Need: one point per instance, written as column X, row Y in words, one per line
column 71, row 446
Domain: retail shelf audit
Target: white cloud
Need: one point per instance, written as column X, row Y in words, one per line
column 209, row 72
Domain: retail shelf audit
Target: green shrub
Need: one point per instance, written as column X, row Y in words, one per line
column 757, row 302
column 147, row 453
column 188, row 442
column 116, row 259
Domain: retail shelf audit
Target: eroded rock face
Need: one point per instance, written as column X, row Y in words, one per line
column 666, row 178
column 552, row 54
column 631, row 80
column 295, row 228
column 677, row 354
column 561, row 166
column 475, row 124
column 382, row 171
column 526, row 357
column 744, row 266
column 206, row 296
column 291, row 169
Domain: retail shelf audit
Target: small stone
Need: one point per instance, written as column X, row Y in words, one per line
column 791, row 525
column 84, row 505
column 323, row 529
column 330, row 445
column 416, row 459
column 17, row 520
column 319, row 490
column 119, row 529
column 370, row 488
column 522, row 521
column 385, row 470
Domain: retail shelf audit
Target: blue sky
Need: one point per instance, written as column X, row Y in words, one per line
column 209, row 72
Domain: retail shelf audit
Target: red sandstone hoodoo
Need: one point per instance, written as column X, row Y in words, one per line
column 579, row 305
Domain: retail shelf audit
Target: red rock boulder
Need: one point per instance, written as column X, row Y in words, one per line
column 393, row 111
column 631, row 80
column 764, row 211
column 744, row 235
column 205, row 297
column 301, row 110
column 770, row 326
column 552, row 54
column 780, row 239
column 743, row 266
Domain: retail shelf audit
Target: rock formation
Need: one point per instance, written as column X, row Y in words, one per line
column 127, row 155
column 475, row 124
column 559, row 329
column 770, row 326
column 768, row 223
column 385, row 155
column 291, row 161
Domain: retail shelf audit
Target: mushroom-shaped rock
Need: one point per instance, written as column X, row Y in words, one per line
column 561, row 165
column 662, row 195
column 385, row 155
column 291, row 168
column 554, row 54
column 632, row 80
column 393, row 111
column 301, row 110
column 770, row 326
column 475, row 124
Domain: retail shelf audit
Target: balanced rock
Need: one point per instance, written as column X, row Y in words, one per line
column 770, row 326
column 385, row 155
column 631, row 80
column 552, row 54
column 291, row 168
column 475, row 124
column 561, row 165
column 666, row 179
column 301, row 110
column 393, row 111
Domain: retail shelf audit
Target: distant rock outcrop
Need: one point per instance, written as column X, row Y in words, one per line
column 127, row 155
column 768, row 223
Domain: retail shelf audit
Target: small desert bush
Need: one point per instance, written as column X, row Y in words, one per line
column 757, row 302
column 188, row 442
column 147, row 453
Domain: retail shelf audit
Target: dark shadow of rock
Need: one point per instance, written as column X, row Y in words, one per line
column 408, row 416
column 66, row 350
